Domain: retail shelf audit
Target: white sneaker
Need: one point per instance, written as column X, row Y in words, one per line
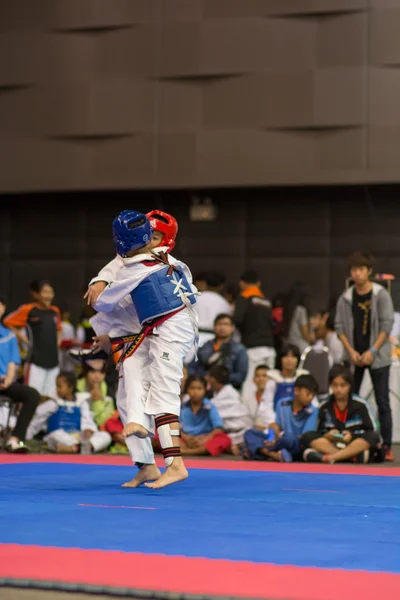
column 16, row 447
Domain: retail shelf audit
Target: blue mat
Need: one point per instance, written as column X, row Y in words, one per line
column 328, row 521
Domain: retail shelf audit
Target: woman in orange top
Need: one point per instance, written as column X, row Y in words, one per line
column 42, row 322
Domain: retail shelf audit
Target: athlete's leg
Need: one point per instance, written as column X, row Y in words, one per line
column 163, row 401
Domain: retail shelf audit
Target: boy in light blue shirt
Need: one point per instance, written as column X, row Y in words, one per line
column 19, row 393
column 202, row 428
column 294, row 416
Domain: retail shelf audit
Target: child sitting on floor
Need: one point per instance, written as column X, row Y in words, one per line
column 253, row 399
column 294, row 416
column 201, row 424
column 233, row 412
column 346, row 429
column 68, row 420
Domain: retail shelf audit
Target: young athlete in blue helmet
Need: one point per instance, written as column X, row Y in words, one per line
column 158, row 288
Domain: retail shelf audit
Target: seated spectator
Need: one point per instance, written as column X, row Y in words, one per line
column 222, row 350
column 280, row 383
column 92, row 373
column 19, row 393
column 323, row 324
column 202, row 429
column 295, row 325
column 346, row 429
column 251, row 399
column 210, row 303
column 294, row 417
column 68, row 420
column 101, row 405
column 235, row 417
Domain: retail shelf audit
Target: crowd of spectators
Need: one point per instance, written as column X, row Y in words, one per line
column 247, row 392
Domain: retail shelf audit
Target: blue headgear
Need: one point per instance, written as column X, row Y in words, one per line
column 131, row 231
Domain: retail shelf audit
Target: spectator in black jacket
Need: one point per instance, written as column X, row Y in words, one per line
column 253, row 318
column 222, row 351
column 346, row 429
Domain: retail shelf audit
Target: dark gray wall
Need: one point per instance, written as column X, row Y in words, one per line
column 286, row 234
column 98, row 94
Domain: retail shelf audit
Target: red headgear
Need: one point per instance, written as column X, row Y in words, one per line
column 166, row 224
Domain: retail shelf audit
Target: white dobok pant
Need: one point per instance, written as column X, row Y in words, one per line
column 100, row 440
column 149, row 380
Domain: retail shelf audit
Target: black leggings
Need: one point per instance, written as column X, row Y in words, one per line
column 29, row 398
column 380, row 383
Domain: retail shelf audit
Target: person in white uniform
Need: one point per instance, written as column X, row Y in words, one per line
column 68, row 420
column 121, row 322
column 151, row 367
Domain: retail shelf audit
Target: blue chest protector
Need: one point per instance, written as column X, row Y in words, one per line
column 160, row 294
column 67, row 417
column 284, row 389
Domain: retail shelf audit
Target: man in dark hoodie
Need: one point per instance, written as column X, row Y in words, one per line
column 253, row 318
column 363, row 322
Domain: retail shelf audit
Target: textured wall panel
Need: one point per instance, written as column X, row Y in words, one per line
column 44, row 164
column 384, row 97
column 232, row 9
column 97, row 14
column 254, row 154
column 25, row 15
column 87, row 56
column 342, row 40
column 72, row 14
column 176, row 10
column 121, row 159
column 172, row 93
column 339, row 97
column 385, row 39
column 312, row 7
column 66, row 57
column 21, row 113
column 177, row 157
column 20, row 58
column 180, row 105
column 340, row 150
column 384, row 147
column 100, row 107
column 260, row 100
column 385, row 3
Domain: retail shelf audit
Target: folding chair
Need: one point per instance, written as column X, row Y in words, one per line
column 317, row 361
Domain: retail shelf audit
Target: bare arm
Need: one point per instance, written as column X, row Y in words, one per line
column 9, row 378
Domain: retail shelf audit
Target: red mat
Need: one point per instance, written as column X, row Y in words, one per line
column 200, row 576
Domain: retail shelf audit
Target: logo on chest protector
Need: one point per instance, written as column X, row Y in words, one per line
column 165, row 356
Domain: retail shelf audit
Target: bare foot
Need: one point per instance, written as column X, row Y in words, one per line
column 172, row 474
column 135, row 429
column 236, row 449
column 63, row 449
column 146, row 473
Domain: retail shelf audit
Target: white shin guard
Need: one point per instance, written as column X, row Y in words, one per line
column 165, row 435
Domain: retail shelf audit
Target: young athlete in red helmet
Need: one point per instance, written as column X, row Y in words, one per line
column 119, row 323
column 160, row 221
